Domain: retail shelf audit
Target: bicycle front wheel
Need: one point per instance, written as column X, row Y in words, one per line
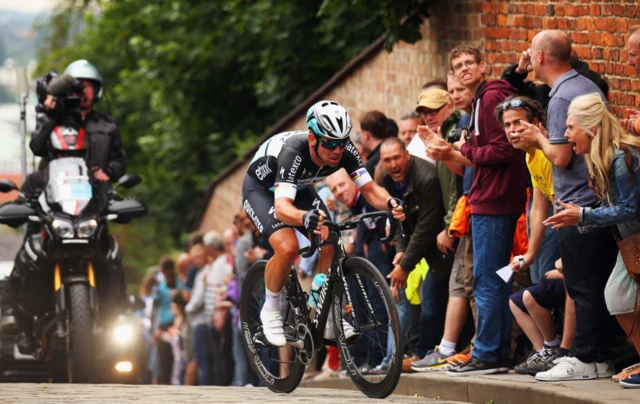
column 375, row 312
column 277, row 367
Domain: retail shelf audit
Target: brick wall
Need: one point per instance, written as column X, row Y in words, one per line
column 391, row 82
column 597, row 29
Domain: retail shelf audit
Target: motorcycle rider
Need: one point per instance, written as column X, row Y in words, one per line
column 103, row 151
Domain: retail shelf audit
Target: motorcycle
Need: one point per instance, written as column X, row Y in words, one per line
column 67, row 259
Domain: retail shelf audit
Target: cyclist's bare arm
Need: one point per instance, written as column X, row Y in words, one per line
column 286, row 212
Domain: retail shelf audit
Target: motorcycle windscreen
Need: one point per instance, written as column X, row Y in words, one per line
column 69, row 185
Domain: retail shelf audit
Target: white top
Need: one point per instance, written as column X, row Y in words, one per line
column 208, row 283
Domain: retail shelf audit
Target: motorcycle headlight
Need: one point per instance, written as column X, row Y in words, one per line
column 123, row 333
column 87, row 228
column 62, row 228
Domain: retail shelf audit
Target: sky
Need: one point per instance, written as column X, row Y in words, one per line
column 27, row 5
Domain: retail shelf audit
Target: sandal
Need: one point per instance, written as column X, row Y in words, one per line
column 631, row 370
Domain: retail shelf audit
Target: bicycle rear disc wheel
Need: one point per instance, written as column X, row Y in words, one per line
column 278, row 368
column 366, row 284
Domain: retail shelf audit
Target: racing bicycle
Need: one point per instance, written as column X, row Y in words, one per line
column 350, row 290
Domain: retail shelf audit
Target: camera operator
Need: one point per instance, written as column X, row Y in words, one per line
column 68, row 126
column 105, row 154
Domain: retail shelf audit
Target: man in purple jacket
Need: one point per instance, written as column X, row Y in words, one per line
column 497, row 199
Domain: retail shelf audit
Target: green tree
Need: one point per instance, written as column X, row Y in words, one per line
column 193, row 83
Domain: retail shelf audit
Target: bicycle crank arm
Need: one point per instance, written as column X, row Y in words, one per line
column 296, row 343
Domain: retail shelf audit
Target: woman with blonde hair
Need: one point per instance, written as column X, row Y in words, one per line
column 613, row 159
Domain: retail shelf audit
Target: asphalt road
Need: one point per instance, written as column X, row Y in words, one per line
column 105, row 393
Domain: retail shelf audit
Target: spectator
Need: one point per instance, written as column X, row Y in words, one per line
column 200, row 318
column 147, row 291
column 457, row 306
column 165, row 318
column 356, row 139
column 612, row 158
column 416, row 182
column 532, row 306
column 373, row 126
column 173, row 336
column 408, row 128
column 497, row 200
column 516, row 75
column 184, row 264
column 587, row 258
column 543, row 243
column 633, row 49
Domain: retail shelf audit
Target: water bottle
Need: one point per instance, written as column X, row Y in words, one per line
column 314, row 293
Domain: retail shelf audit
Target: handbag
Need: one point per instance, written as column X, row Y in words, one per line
column 630, row 251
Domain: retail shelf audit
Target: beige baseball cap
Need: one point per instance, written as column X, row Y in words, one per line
column 433, row 98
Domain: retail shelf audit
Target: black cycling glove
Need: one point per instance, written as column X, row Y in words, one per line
column 310, row 220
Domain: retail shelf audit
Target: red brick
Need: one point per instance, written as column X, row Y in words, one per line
column 550, row 23
column 597, row 52
column 611, row 24
column 600, row 24
column 569, row 10
column 573, row 24
column 559, row 9
column 622, row 25
column 501, row 20
column 563, row 23
column 530, row 9
column 618, row 10
column 578, row 37
column 632, row 11
column 607, row 9
column 607, row 39
column 591, row 24
column 594, row 10
column 581, row 10
column 488, row 19
column 540, row 9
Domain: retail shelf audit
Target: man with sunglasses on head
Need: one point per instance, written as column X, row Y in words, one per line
column 279, row 198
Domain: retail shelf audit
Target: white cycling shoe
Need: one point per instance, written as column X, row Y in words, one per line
column 272, row 327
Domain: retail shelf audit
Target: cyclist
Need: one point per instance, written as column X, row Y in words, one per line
column 278, row 196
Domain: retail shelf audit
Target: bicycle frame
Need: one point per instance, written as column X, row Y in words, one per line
column 297, row 297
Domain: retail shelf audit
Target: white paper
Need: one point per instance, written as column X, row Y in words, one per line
column 417, row 148
column 505, row 273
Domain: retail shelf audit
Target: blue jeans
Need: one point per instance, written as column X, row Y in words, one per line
column 492, row 244
column 549, row 250
column 435, row 297
column 405, row 322
column 201, row 338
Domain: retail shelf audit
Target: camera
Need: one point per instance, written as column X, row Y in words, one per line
column 64, row 90
column 454, row 135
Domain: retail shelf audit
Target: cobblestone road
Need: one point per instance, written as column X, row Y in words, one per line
column 66, row 393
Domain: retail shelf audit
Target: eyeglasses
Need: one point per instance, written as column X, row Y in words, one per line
column 333, row 143
column 427, row 112
column 515, row 104
column 461, row 65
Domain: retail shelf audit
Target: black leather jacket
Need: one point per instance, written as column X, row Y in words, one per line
column 105, row 145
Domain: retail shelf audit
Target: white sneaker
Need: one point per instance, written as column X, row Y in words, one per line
column 569, row 369
column 272, row 327
column 605, row 369
column 329, row 332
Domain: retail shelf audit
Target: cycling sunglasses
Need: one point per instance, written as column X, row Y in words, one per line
column 333, row 143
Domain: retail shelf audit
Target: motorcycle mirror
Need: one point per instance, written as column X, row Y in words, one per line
column 129, row 181
column 8, row 186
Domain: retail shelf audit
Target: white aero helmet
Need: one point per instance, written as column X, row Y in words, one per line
column 329, row 119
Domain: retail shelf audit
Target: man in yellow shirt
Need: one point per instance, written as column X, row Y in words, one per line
column 514, row 114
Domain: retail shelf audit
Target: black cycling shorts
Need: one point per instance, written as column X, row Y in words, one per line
column 258, row 203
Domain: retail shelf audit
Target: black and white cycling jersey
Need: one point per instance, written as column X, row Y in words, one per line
column 283, row 165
